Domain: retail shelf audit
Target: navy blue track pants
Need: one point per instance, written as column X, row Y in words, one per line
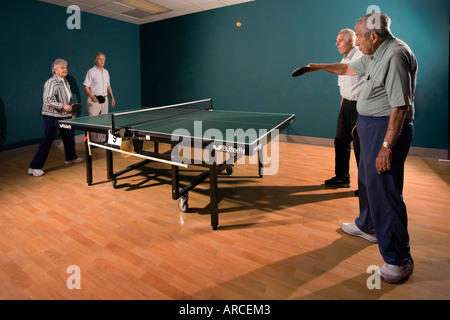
column 382, row 209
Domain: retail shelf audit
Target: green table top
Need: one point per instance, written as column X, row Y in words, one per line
column 236, row 126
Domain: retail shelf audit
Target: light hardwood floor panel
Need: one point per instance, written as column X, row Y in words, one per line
column 278, row 237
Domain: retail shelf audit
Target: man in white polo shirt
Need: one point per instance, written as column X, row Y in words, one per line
column 350, row 87
column 97, row 86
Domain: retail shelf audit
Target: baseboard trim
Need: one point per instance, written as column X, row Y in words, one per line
column 31, row 149
column 429, row 153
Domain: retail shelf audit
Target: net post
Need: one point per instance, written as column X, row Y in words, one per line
column 113, row 124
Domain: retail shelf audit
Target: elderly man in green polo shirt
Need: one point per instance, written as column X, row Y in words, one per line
column 386, row 110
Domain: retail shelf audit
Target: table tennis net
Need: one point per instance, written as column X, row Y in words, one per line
column 132, row 118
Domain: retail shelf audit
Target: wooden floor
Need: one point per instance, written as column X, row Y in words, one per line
column 278, row 237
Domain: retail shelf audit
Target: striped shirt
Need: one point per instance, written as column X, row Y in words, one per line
column 56, row 94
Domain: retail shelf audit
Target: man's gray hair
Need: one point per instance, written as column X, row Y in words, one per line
column 57, row 62
column 99, row 54
column 349, row 33
column 376, row 22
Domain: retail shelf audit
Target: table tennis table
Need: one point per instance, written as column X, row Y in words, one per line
column 223, row 135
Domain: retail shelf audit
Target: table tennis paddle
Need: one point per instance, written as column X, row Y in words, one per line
column 76, row 107
column 100, row 99
column 299, row 71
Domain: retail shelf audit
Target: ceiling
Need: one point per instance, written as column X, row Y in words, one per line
column 137, row 11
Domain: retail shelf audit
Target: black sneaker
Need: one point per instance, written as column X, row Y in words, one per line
column 337, row 183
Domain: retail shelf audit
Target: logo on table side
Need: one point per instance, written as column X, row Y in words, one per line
column 191, row 151
column 65, row 126
column 229, row 149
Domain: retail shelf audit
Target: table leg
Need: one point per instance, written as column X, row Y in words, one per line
column 260, row 163
column 109, row 165
column 88, row 162
column 213, row 194
column 175, row 182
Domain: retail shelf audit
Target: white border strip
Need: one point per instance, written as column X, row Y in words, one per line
column 139, row 155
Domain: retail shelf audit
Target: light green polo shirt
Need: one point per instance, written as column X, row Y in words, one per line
column 389, row 79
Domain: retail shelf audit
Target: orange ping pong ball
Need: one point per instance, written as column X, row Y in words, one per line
column 238, row 24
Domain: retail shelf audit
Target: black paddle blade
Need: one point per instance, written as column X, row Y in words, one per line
column 100, row 99
column 76, row 107
column 299, row 71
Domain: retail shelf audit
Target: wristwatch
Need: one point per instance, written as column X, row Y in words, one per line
column 387, row 145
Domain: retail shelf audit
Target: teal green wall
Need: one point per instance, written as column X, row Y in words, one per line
column 33, row 34
column 205, row 55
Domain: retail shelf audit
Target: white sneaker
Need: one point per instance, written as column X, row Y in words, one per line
column 396, row 274
column 36, row 172
column 77, row 160
column 352, row 229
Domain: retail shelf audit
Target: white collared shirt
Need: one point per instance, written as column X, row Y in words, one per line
column 69, row 93
column 350, row 86
column 97, row 81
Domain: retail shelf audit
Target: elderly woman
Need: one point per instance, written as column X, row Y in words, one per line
column 56, row 106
